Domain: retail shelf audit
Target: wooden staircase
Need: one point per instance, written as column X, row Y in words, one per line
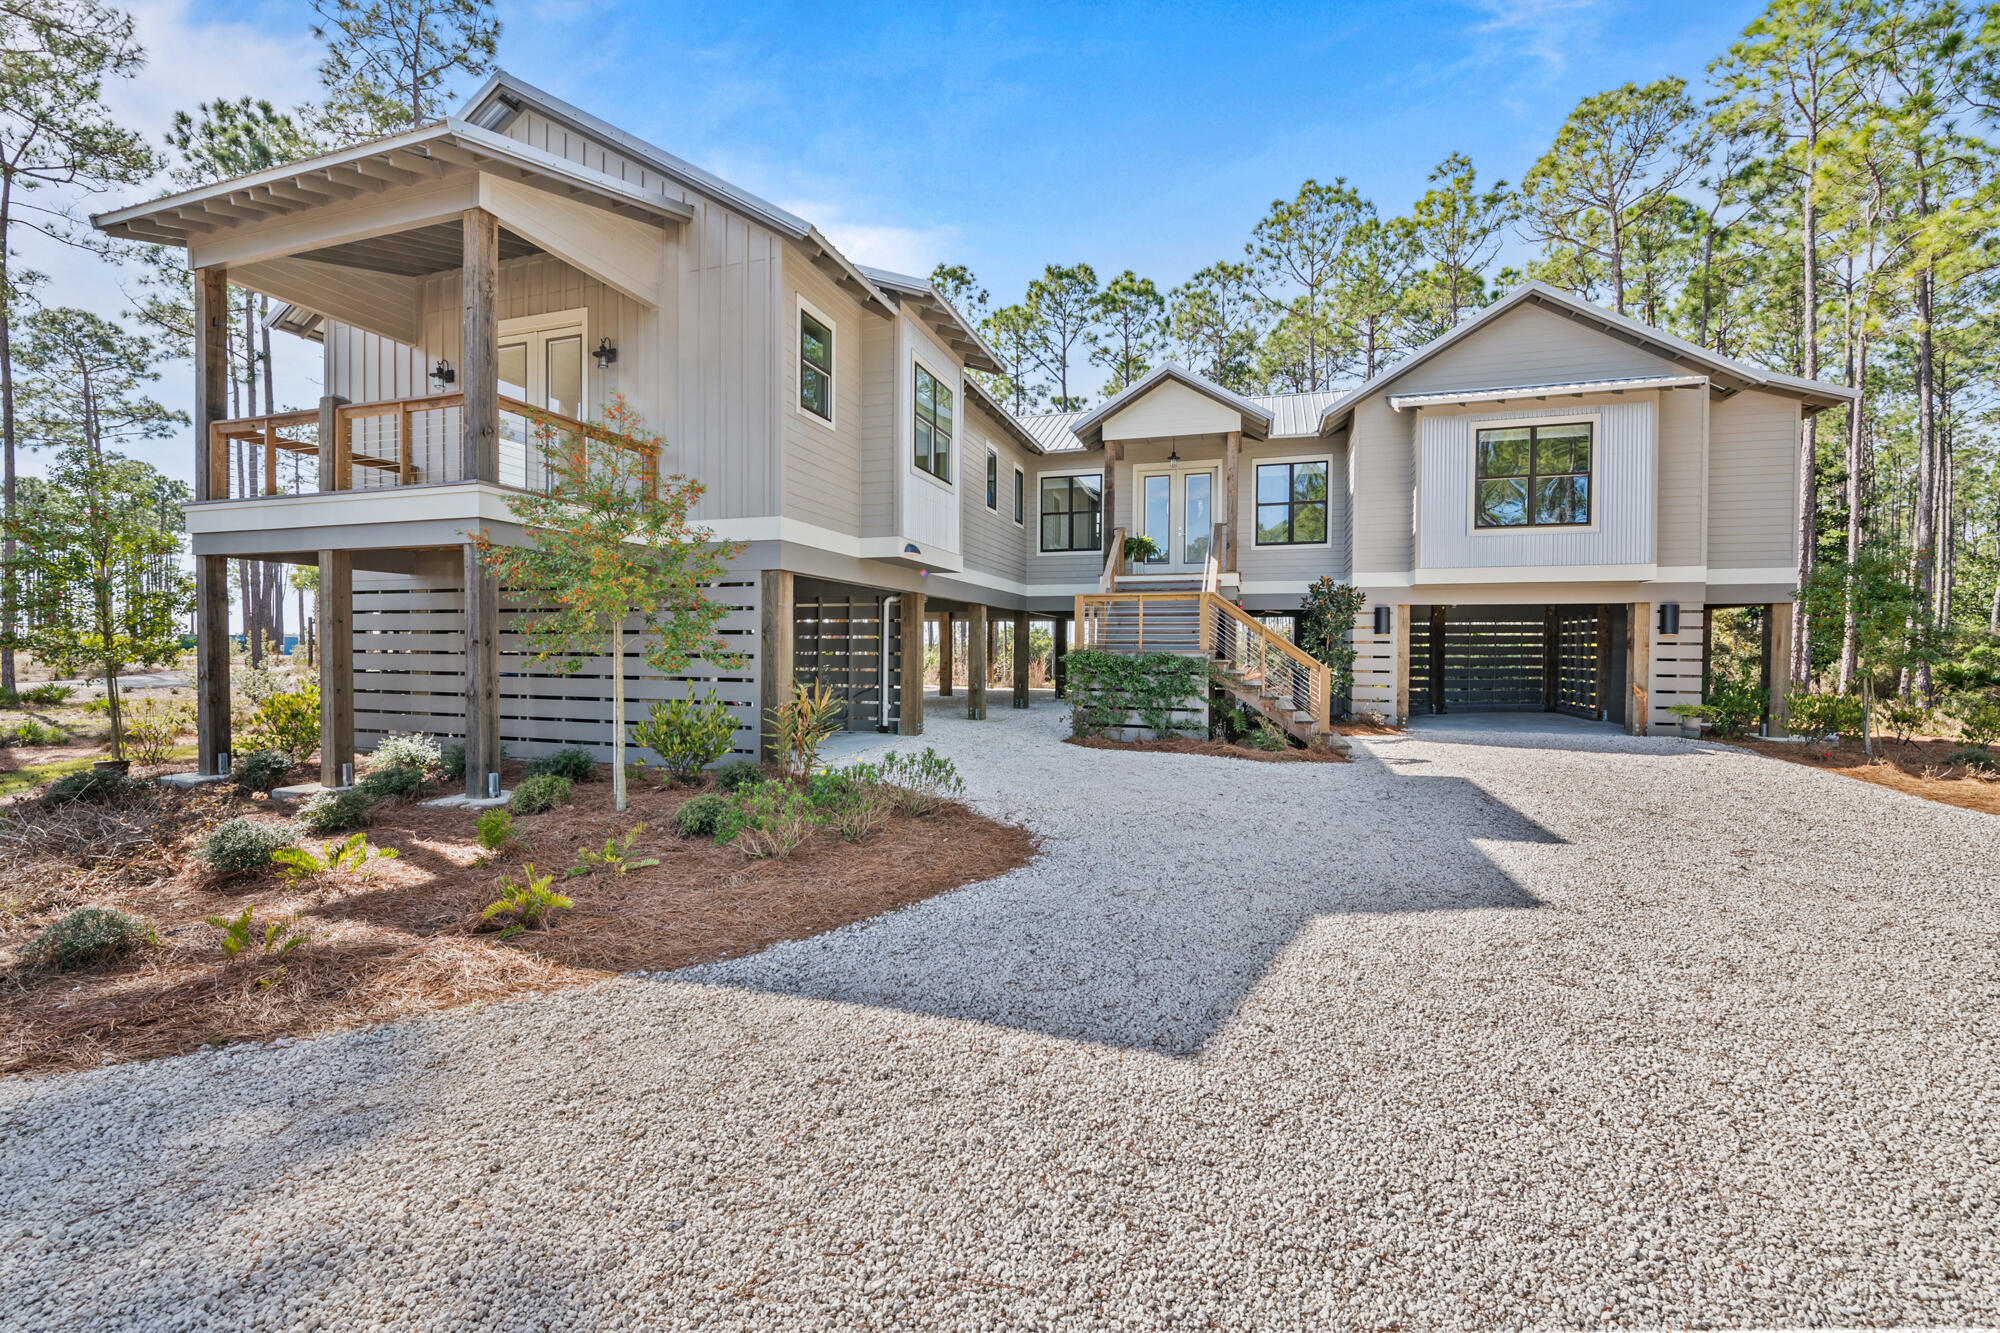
column 1256, row 666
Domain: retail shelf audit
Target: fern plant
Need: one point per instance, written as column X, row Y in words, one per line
column 299, row 863
column 239, row 933
column 532, row 901
column 616, row 857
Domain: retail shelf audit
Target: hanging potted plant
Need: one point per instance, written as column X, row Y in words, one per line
column 1138, row 550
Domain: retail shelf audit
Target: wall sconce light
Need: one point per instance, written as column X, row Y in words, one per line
column 910, row 548
column 1385, row 619
column 1670, row 617
column 605, row 354
column 442, row 374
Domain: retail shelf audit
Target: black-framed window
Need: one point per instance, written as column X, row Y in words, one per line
column 992, row 481
column 1532, row 476
column 815, row 366
column 1020, row 494
column 1291, row 503
column 1072, row 513
column 933, row 425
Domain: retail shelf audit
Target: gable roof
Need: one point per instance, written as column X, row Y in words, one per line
column 1256, row 420
column 943, row 317
column 1725, row 373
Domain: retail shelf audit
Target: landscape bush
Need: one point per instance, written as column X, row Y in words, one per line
column 801, row 724
column 288, row 722
column 49, row 695
column 153, row 729
column 87, row 784
column 532, row 901
column 302, row 863
column 413, row 750
column 539, row 794
column 1107, row 689
column 1842, row 715
column 1978, row 716
column 260, row 770
column 1733, row 707
column 701, row 816
column 244, row 844
column 336, row 811
column 769, row 820
column 923, row 782
column 37, row 733
column 380, row 783
column 87, row 935
column 451, row 762
column 738, row 773
column 239, row 933
column 572, row 763
column 687, row 734
column 495, row 829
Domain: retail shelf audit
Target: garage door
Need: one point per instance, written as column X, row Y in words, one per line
column 1472, row 659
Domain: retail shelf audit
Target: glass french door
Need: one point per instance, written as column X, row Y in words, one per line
column 542, row 367
column 1177, row 510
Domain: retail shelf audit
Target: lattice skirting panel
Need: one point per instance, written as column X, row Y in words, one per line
column 409, row 672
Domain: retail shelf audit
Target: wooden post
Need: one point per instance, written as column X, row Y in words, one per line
column 211, row 660
column 1777, row 667
column 479, row 356
column 992, row 646
column 1059, row 658
column 1604, row 651
column 332, row 441
column 211, row 391
column 911, row 718
column 1231, row 457
column 406, row 471
column 975, row 663
column 1107, row 520
column 270, row 458
column 336, row 665
column 482, row 674
column 947, row 632
column 1021, row 657
column 1436, row 664
column 778, row 663
column 1638, row 668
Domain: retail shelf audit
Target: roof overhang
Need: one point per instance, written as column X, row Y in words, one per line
column 941, row 317
column 1403, row 402
column 1254, row 421
column 1015, row 430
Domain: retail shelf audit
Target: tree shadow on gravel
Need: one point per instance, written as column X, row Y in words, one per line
column 1152, row 943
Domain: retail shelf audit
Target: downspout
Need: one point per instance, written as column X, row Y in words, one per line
column 892, row 605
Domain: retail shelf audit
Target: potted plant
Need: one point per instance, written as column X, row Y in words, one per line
column 1138, row 550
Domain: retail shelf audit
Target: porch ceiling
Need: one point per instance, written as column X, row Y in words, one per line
column 416, row 253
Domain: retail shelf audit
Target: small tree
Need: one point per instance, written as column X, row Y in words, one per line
column 1326, row 622
column 102, row 587
column 611, row 539
column 1893, row 630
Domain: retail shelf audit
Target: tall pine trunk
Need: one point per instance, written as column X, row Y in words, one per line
column 1808, row 495
column 8, row 592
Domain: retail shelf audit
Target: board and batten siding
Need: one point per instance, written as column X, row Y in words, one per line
column 1753, row 444
column 823, row 463
column 1622, row 492
column 409, row 671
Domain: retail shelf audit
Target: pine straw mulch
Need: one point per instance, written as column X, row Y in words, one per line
column 1291, row 754
column 1919, row 767
column 404, row 937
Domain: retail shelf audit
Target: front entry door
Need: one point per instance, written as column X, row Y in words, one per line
column 1177, row 510
column 541, row 363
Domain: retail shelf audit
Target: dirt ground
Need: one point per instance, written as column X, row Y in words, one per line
column 1219, row 749
column 1920, row 767
column 403, row 936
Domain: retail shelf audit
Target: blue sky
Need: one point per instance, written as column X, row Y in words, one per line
column 1003, row 138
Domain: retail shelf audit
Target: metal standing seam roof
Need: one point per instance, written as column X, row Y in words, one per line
column 1293, row 415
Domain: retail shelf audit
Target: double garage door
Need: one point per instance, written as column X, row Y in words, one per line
column 1532, row 659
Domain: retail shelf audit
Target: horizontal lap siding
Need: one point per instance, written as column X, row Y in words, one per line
column 1300, row 564
column 994, row 543
column 409, row 672
column 823, row 468
column 1753, row 448
column 1675, row 675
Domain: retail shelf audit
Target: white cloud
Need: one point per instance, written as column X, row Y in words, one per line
column 1550, row 31
column 912, row 250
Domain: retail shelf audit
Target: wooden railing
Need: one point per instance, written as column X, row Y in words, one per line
column 1114, row 560
column 1233, row 635
column 1176, row 627
column 421, row 443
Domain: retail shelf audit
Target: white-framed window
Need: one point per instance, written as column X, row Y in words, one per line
column 1293, row 503
column 816, row 366
column 1020, row 497
column 993, row 481
column 1072, row 511
column 934, row 424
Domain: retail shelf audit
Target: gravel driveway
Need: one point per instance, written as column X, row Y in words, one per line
column 1485, row 1028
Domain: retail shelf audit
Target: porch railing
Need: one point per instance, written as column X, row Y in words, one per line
column 397, row 442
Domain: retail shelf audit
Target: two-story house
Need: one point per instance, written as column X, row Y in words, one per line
column 1539, row 505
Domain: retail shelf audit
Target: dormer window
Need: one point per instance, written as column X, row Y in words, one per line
column 1533, row 476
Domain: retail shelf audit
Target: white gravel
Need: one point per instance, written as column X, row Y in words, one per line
column 1483, row 1029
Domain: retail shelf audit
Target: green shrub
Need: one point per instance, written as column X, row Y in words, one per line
column 1973, row 757
column 153, row 728
column 1841, row 715
column 1904, row 718
column 245, row 844
column 1326, row 625
column 87, row 784
column 34, row 732
column 616, row 856
column 336, row 811
column 289, row 723
column 1107, row 688
column 496, row 829
column 539, row 794
column 238, row 934
column 451, row 761
column 302, row 863
column 768, row 820
column 1978, row 717
column 532, row 901
column 1263, row 736
column 260, row 770
column 573, row 763
column 831, row 787
column 87, row 935
column 923, row 782
column 687, row 734
column 379, row 783
column 50, row 695
column 411, row 751
column 738, row 773
column 701, row 816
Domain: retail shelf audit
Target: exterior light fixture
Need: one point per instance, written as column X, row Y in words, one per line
column 1385, row 619
column 1173, row 458
column 910, row 548
column 606, row 354
column 442, row 374
column 1670, row 617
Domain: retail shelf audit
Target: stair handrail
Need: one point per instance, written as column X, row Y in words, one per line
column 1114, row 556
column 1319, row 675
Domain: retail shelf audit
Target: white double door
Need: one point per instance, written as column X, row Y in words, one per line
column 541, row 363
column 1177, row 510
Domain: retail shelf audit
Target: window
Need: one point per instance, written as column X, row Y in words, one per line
column 815, row 366
column 933, row 425
column 992, row 480
column 1071, row 512
column 1291, row 503
column 1533, row 476
column 1020, row 493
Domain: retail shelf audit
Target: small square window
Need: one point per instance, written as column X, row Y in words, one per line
column 1291, row 504
column 1072, row 513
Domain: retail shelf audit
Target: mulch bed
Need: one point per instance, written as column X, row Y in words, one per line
column 1217, row 749
column 405, row 937
column 1919, row 767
